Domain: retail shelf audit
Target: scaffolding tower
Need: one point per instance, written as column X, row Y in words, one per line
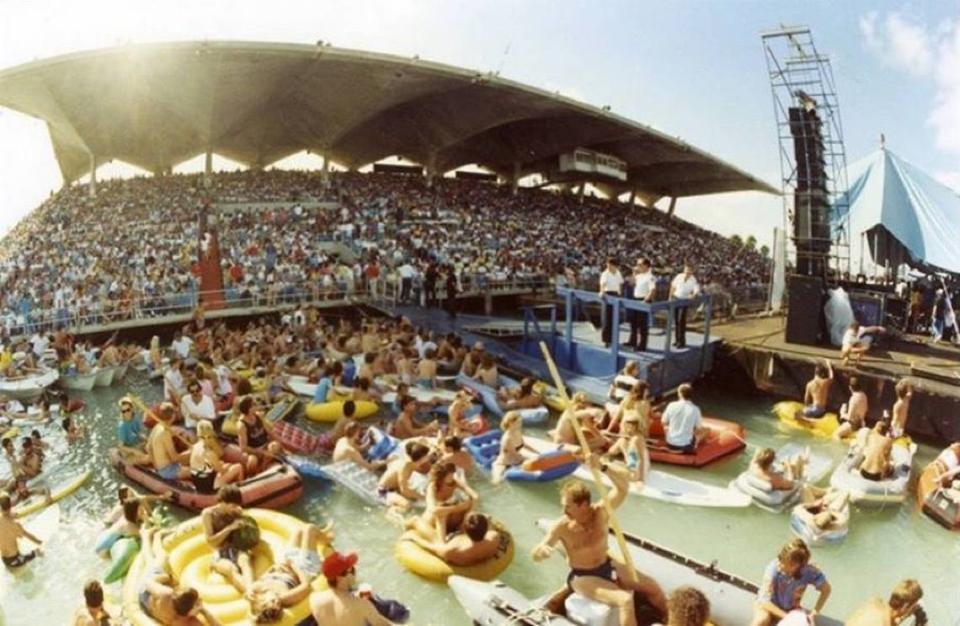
column 813, row 160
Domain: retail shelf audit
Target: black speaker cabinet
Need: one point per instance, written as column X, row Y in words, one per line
column 805, row 323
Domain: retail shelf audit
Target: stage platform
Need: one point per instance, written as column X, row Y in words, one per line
column 758, row 347
column 585, row 363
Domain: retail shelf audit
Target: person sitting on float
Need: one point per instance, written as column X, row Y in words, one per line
column 207, row 469
column 784, row 582
column 351, row 447
column 474, row 543
column 449, row 499
column 520, row 397
column 683, row 422
column 792, row 474
column 287, row 582
column 631, row 445
column 588, row 417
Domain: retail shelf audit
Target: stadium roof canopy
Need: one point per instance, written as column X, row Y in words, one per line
column 157, row 105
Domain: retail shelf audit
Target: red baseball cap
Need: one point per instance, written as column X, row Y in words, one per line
column 336, row 564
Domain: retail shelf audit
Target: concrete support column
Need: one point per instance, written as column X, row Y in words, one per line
column 208, row 168
column 431, row 169
column 633, row 197
column 673, row 206
column 582, row 191
column 325, row 172
column 515, row 182
column 93, row 176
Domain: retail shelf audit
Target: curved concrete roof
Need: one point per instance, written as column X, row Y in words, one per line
column 156, row 105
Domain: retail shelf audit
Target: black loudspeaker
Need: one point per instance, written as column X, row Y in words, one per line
column 896, row 313
column 805, row 321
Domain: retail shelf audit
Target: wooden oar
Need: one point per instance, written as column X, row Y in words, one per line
column 597, row 478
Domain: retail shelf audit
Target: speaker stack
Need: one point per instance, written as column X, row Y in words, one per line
column 811, row 219
column 805, row 319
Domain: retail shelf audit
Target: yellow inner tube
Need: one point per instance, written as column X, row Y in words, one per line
column 190, row 557
column 332, row 411
column 427, row 565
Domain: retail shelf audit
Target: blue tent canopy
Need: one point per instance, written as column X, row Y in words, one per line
column 906, row 215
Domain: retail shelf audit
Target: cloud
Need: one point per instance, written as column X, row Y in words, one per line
column 931, row 52
column 909, row 45
column 945, row 117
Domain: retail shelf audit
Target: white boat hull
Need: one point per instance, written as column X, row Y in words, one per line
column 495, row 604
column 121, row 372
column 79, row 382
column 105, row 377
column 28, row 387
column 663, row 486
column 731, row 597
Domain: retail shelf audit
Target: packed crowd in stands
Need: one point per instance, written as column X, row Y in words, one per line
column 133, row 249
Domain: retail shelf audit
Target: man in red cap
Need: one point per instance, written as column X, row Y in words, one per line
column 338, row 604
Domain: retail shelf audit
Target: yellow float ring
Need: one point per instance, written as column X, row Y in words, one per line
column 428, row 565
column 189, row 559
column 332, row 411
column 551, row 399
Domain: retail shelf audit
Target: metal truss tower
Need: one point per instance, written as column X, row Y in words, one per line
column 813, row 160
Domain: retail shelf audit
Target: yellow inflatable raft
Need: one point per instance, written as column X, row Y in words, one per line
column 551, row 397
column 190, row 557
column 429, row 566
column 824, row 426
column 332, row 411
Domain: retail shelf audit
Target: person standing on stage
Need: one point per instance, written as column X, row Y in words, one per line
column 644, row 289
column 683, row 287
column 611, row 284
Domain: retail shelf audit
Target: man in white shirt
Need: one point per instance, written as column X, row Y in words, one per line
column 406, row 273
column 684, row 286
column 611, row 284
column 194, row 406
column 644, row 289
column 682, row 422
column 181, row 344
column 173, row 381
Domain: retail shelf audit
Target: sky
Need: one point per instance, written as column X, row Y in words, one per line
column 693, row 69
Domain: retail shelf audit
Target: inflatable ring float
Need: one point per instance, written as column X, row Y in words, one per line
column 332, row 411
column 427, row 565
column 190, row 557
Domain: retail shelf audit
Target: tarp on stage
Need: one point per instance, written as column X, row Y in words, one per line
column 906, row 215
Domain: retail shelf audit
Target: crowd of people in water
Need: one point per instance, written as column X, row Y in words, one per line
column 133, row 249
column 219, row 383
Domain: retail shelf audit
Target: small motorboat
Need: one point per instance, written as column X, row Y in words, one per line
column 30, row 386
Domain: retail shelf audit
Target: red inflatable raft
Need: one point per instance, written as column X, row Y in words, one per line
column 274, row 488
column 725, row 438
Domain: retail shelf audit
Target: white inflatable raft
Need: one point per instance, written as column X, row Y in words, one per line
column 663, row 486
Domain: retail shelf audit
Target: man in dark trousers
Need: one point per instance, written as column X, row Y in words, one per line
column 644, row 289
column 611, row 284
column 451, row 289
column 683, row 287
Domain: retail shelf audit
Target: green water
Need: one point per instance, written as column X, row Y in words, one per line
column 883, row 545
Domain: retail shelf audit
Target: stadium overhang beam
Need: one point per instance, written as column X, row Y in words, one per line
column 156, row 105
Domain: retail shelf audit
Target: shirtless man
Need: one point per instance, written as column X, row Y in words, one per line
column 901, row 408
column 338, row 604
column 350, row 448
column 854, row 418
column 817, row 393
column 31, row 459
column 163, row 455
column 476, row 543
column 92, row 613
column 876, row 463
column 406, row 425
column 449, row 500
column 762, row 466
column 161, row 598
column 947, row 464
column 394, row 485
column 582, row 531
column 581, row 410
column 904, row 601
column 10, row 531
